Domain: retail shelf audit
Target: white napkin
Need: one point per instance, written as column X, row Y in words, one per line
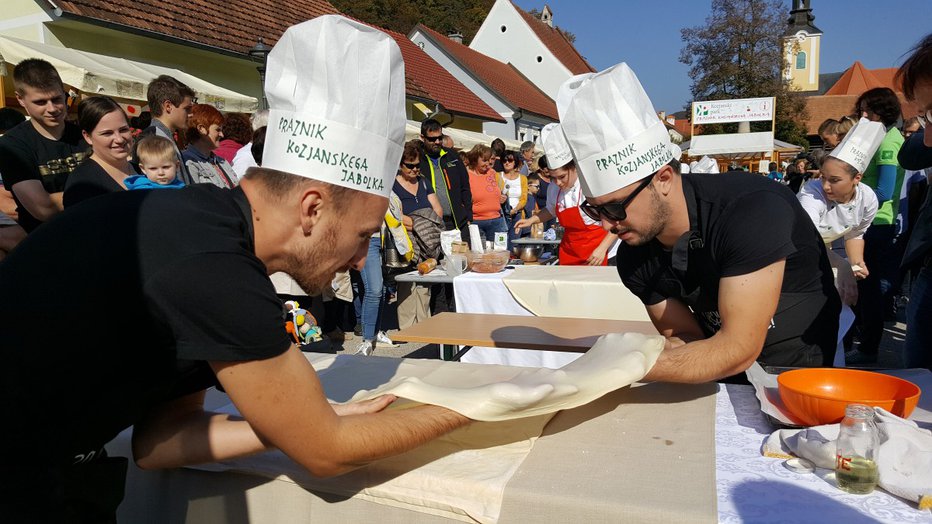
column 904, row 459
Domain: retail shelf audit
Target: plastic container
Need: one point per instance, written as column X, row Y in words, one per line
column 488, row 262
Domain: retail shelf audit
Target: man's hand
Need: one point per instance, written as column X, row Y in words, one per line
column 364, row 407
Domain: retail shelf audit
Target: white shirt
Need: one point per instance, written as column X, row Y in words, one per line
column 243, row 160
column 572, row 197
column 512, row 190
column 833, row 220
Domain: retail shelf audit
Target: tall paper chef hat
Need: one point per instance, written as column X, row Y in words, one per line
column 613, row 130
column 555, row 146
column 860, row 144
column 337, row 94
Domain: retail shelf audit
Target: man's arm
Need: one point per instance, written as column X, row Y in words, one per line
column 284, row 406
column 746, row 304
column 36, row 200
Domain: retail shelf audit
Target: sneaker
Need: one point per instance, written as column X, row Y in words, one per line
column 382, row 341
column 358, row 330
column 364, row 348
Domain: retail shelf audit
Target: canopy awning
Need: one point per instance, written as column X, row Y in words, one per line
column 92, row 73
column 733, row 145
column 461, row 138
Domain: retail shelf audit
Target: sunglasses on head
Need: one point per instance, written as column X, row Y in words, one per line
column 613, row 210
column 433, row 138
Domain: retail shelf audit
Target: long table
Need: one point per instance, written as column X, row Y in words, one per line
column 630, row 456
column 574, row 335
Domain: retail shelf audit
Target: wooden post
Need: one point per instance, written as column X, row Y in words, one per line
column 2, row 92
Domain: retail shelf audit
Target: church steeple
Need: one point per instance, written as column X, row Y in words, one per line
column 801, row 46
column 801, row 18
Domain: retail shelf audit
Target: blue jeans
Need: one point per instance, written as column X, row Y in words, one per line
column 488, row 228
column 372, row 290
column 918, row 327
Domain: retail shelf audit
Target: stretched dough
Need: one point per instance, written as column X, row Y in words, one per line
column 615, row 361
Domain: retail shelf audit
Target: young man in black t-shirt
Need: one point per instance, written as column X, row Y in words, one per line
column 730, row 267
column 123, row 312
column 37, row 156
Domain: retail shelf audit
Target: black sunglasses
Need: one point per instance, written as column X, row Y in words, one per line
column 613, row 210
column 432, row 138
column 416, row 165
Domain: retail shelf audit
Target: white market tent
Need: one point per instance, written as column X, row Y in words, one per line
column 461, row 138
column 92, row 73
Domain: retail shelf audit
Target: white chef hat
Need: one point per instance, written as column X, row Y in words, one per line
column 336, row 91
column 613, row 130
column 555, row 147
column 860, row 144
column 704, row 165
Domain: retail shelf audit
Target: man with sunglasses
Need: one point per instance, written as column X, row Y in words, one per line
column 729, row 266
column 447, row 176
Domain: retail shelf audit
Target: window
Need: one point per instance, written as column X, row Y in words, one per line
column 540, row 59
column 504, row 29
column 801, row 60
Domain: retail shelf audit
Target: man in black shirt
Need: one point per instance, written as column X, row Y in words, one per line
column 37, row 156
column 729, row 267
column 121, row 313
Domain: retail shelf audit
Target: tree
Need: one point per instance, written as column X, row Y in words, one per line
column 445, row 16
column 738, row 53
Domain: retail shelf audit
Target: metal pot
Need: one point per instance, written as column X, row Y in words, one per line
column 392, row 259
column 529, row 253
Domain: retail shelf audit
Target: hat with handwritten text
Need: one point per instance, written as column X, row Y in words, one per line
column 860, row 144
column 555, row 147
column 336, row 91
column 613, row 130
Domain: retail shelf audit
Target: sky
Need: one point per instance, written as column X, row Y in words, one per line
column 646, row 35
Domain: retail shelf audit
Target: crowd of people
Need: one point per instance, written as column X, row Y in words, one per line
column 167, row 293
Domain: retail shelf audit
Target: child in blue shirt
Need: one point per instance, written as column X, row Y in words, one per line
column 158, row 162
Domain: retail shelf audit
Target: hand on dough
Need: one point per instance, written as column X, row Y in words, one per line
column 364, row 407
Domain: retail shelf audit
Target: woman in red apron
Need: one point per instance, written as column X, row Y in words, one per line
column 584, row 241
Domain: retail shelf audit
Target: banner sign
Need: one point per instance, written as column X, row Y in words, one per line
column 741, row 110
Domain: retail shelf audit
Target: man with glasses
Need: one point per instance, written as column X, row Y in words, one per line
column 730, row 267
column 170, row 102
column 447, row 176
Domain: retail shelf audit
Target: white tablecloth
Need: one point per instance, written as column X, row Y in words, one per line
column 558, row 291
column 754, row 488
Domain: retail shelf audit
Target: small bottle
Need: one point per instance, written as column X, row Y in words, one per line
column 427, row 266
column 858, row 440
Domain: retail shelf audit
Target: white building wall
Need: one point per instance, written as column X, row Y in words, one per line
column 504, row 130
column 519, row 46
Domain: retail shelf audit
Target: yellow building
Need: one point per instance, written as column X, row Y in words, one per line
column 801, row 46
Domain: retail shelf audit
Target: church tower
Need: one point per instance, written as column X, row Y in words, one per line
column 801, row 46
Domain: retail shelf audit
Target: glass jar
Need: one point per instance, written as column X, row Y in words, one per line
column 858, row 440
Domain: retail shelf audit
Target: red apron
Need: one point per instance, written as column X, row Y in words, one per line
column 579, row 238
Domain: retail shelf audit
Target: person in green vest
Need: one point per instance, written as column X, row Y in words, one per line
column 448, row 178
column 885, row 176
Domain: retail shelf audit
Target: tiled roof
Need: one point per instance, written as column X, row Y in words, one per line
column 839, row 99
column 855, row 80
column 232, row 25
column 561, row 48
column 501, row 78
column 425, row 78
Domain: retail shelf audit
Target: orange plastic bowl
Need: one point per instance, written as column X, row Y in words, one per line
column 819, row 395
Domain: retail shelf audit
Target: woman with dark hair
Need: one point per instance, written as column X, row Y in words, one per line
column 885, row 176
column 203, row 137
column 514, row 186
column 106, row 129
column 237, row 131
column 487, row 196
